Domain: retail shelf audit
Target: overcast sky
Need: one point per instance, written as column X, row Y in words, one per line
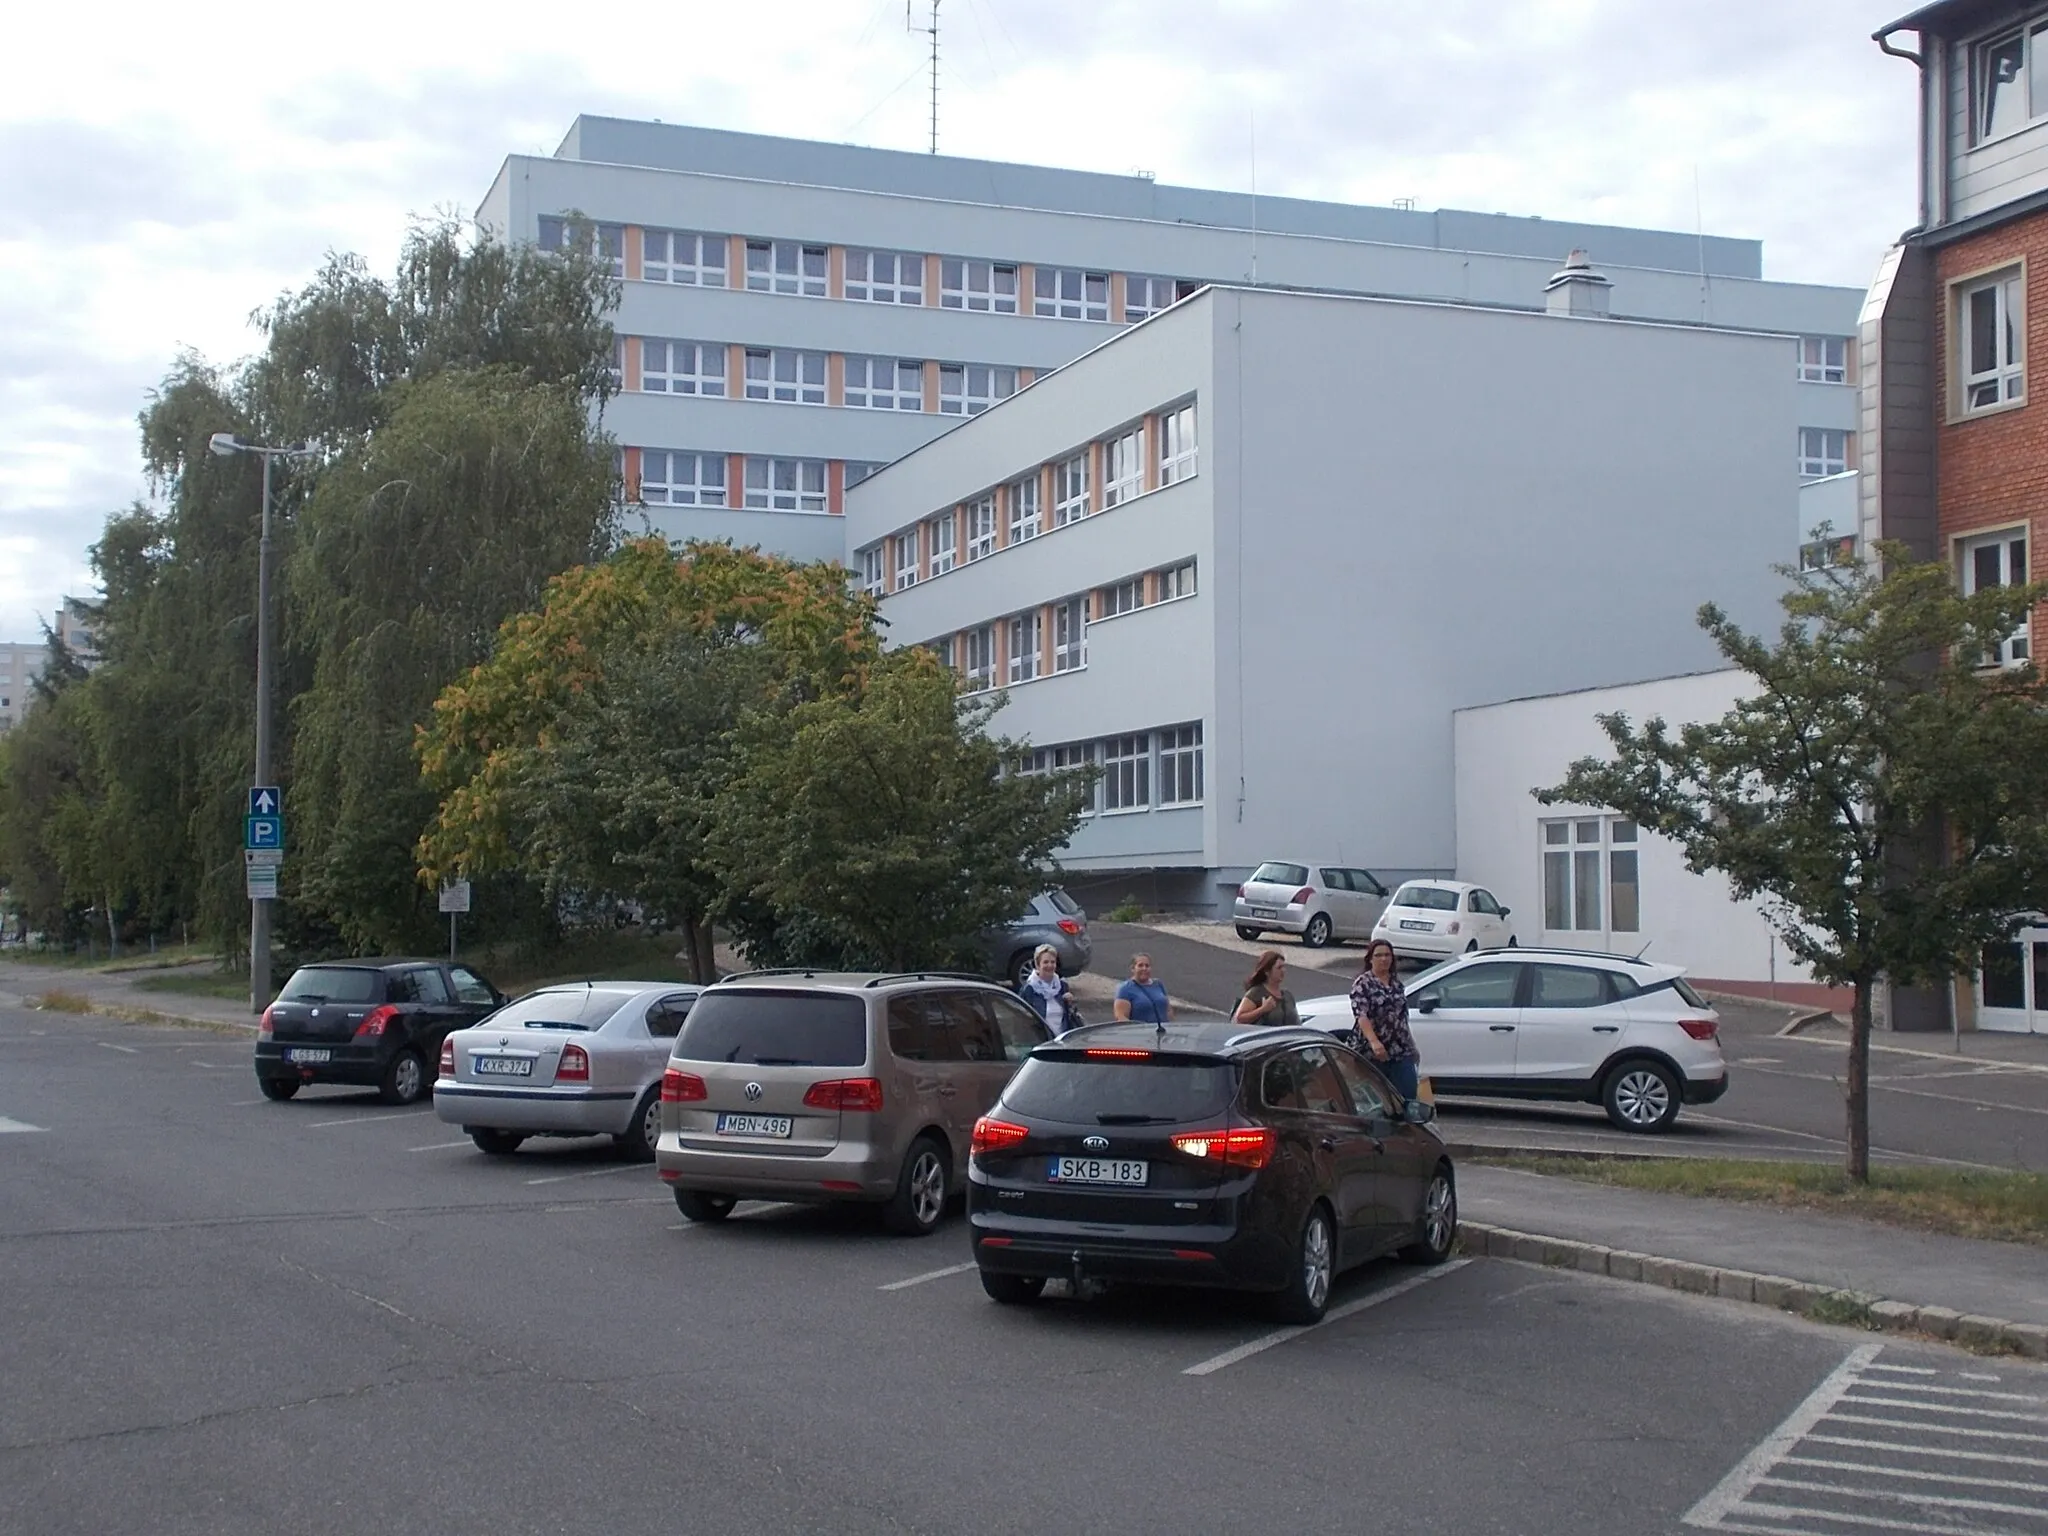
column 163, row 175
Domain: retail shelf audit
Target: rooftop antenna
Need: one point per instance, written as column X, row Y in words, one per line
column 933, row 32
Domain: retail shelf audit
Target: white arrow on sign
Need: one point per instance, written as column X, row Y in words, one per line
column 265, row 802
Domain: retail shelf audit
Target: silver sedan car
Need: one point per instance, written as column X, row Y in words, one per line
column 579, row 1060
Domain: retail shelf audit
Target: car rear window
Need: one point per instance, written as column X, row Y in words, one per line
column 1280, row 874
column 1684, row 989
column 776, row 1029
column 1063, row 904
column 583, row 1008
column 1159, row 1090
column 332, row 984
column 1433, row 897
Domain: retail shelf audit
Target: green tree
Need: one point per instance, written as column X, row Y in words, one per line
column 1883, row 797
column 883, row 823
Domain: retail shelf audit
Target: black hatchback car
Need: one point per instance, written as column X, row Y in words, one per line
column 375, row 1023
column 1207, row 1155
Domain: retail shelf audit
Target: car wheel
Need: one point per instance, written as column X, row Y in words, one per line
column 1249, row 935
column 405, row 1080
column 1022, row 964
column 701, row 1205
column 1307, row 1295
column 496, row 1143
column 279, row 1088
column 1513, row 942
column 1317, row 934
column 1012, row 1290
column 639, row 1143
column 1641, row 1096
column 921, row 1190
column 1439, row 1226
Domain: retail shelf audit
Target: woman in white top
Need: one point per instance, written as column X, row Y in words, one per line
column 1046, row 990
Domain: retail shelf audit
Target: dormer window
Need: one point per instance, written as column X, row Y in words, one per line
column 2011, row 82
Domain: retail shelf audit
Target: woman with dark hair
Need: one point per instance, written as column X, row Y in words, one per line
column 1266, row 1000
column 1379, row 1011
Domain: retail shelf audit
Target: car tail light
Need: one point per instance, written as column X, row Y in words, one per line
column 1306, row 893
column 1241, row 894
column 1115, row 1053
column 992, row 1135
column 857, row 1093
column 1245, row 1146
column 266, row 1027
column 574, row 1067
column 376, row 1021
column 682, row 1087
column 447, row 1067
column 1069, row 925
column 1700, row 1029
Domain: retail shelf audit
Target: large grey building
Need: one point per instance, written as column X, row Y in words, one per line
column 796, row 314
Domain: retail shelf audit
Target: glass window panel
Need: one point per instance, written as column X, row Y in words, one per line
column 2002, row 92
column 1586, row 832
column 1586, row 891
column 1624, row 895
column 2004, row 976
column 1557, row 891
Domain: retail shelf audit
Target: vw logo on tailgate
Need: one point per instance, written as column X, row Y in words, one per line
column 753, row 1091
column 1095, row 1143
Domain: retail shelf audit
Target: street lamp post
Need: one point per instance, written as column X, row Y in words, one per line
column 226, row 444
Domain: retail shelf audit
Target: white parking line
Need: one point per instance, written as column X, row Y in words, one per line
column 1742, row 1480
column 592, row 1173
column 321, row 1125
column 126, row 1050
column 1336, row 1314
column 17, row 1127
column 930, row 1274
column 440, row 1146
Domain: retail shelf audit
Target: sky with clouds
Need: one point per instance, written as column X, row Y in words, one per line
column 166, row 170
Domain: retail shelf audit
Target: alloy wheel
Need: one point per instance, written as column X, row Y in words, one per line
column 1315, row 1259
column 927, row 1188
column 650, row 1125
column 1642, row 1097
column 1439, row 1214
column 406, row 1079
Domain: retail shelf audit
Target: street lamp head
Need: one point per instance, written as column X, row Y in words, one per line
column 224, row 444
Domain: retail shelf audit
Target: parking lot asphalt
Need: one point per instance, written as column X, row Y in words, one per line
column 228, row 1315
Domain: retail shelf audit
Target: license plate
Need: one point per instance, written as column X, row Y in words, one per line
column 1418, row 927
column 753, row 1125
column 502, row 1066
column 309, row 1055
column 1265, row 911
column 1099, row 1170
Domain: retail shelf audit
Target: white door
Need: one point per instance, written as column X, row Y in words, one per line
column 1569, row 1024
column 1483, row 913
column 2012, row 984
column 1464, row 1023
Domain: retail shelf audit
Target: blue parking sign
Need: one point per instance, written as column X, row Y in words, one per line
column 265, row 800
column 263, row 832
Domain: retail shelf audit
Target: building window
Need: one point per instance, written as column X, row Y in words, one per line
column 1591, row 879
column 1124, row 597
column 1145, row 296
column 984, row 285
column 906, row 559
column 885, row 277
column 786, row 485
column 1027, row 631
column 677, row 256
column 2010, row 82
column 1079, row 754
column 1180, row 765
column 1991, row 331
column 682, row 479
column 786, row 266
column 1824, row 359
column 1822, row 451
column 1178, row 457
column 981, row 527
column 794, row 378
column 682, row 367
column 1177, row 581
column 1821, row 554
column 607, row 241
column 943, row 649
column 1067, row 293
column 884, row 384
column 1024, row 522
column 1123, row 467
column 939, row 535
column 1998, row 560
column 1070, row 635
column 872, row 580
column 968, row 389
column 858, row 470
column 1070, row 491
column 1127, row 772
column 981, row 659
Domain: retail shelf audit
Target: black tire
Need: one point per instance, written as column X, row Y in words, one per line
column 1471, row 946
column 1642, row 1096
column 923, row 1186
column 1012, row 1290
column 639, row 1142
column 1307, row 1296
column 702, row 1205
column 278, row 1088
column 1317, row 934
column 1437, row 1229
column 496, row 1143
column 405, row 1079
column 1513, row 942
column 1248, row 933
column 1022, row 964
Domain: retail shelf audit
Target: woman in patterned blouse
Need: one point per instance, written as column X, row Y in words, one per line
column 1379, row 1009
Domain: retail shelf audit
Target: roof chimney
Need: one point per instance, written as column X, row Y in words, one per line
column 1576, row 289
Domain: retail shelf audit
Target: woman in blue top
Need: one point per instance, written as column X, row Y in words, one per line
column 1141, row 1000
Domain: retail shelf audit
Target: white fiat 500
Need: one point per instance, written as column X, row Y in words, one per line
column 1561, row 1024
column 1429, row 919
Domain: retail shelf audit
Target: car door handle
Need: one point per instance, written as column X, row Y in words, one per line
column 1328, row 1143
column 1606, row 1029
column 1500, row 1029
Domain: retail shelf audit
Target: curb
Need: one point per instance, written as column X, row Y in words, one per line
column 1807, row 1020
column 1822, row 1303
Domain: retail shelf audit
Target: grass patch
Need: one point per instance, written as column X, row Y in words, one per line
column 222, row 984
column 1125, row 911
column 133, row 957
column 58, row 1001
column 1961, row 1202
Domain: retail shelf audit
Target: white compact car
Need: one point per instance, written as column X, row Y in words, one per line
column 1429, row 919
column 579, row 1060
column 1560, row 1024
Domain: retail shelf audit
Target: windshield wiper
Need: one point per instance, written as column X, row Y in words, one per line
column 1133, row 1119
column 781, row 1061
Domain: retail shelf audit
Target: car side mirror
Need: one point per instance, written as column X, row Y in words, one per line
column 1418, row 1113
column 1506, row 912
column 1425, row 1005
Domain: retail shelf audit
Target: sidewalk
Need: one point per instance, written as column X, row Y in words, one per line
column 115, row 992
column 1924, row 1270
column 2024, row 1052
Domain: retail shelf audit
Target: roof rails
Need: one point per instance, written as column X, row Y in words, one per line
column 1558, row 949
column 888, row 976
column 771, row 970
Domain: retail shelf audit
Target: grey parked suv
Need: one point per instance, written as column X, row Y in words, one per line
column 795, row 1085
column 1053, row 918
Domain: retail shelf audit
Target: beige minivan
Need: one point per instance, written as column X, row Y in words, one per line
column 813, row 1086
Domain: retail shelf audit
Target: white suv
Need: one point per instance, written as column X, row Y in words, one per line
column 1560, row 1024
